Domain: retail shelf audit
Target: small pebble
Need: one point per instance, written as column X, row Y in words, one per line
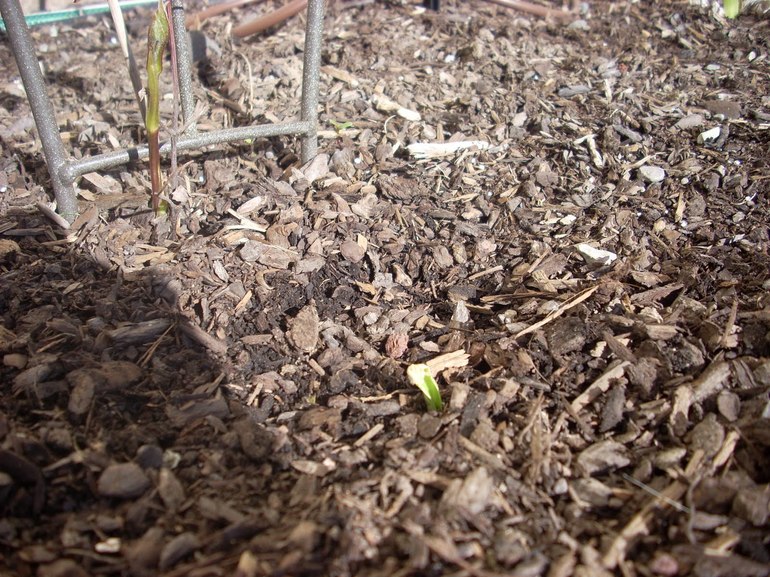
column 708, row 436
column 729, row 405
column 428, row 426
column 15, row 360
column 149, row 457
column 177, row 549
column 171, row 491
column 124, row 481
column 690, row 121
column 753, row 504
column 652, row 174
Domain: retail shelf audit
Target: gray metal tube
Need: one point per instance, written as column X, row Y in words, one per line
column 183, row 65
column 112, row 159
column 63, row 171
column 310, row 77
column 42, row 110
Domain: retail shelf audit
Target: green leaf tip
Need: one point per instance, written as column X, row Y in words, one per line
column 340, row 126
column 420, row 376
column 732, row 8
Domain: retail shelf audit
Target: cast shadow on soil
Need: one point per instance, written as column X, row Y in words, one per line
column 119, row 451
column 100, row 368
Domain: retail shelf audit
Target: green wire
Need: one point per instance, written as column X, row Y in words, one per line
column 40, row 18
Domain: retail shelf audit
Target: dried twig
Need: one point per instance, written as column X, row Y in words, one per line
column 133, row 70
column 655, row 493
column 599, row 386
column 640, row 523
column 572, row 302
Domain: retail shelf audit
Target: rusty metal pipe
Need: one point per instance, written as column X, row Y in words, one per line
column 535, row 9
column 195, row 20
column 269, row 20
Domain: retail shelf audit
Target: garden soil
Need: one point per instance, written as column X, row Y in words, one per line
column 580, row 259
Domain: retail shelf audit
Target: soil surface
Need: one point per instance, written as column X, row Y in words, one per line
column 582, row 263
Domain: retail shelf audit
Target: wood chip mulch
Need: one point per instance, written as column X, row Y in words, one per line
column 566, row 220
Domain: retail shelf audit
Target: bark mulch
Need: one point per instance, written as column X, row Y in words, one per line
column 581, row 257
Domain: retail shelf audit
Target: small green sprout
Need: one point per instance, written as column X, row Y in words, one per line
column 732, row 8
column 340, row 126
column 419, row 375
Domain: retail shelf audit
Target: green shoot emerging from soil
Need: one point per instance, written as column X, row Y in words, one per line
column 419, row 375
column 340, row 126
column 157, row 39
column 732, row 8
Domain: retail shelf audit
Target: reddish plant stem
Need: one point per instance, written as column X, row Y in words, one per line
column 154, row 146
column 157, row 38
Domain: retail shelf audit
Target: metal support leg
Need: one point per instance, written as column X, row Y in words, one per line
column 310, row 74
column 64, row 171
column 183, row 65
column 42, row 110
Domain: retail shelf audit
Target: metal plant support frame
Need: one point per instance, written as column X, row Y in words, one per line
column 64, row 170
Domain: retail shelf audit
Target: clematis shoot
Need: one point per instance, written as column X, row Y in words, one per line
column 732, row 8
column 420, row 376
column 157, row 40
